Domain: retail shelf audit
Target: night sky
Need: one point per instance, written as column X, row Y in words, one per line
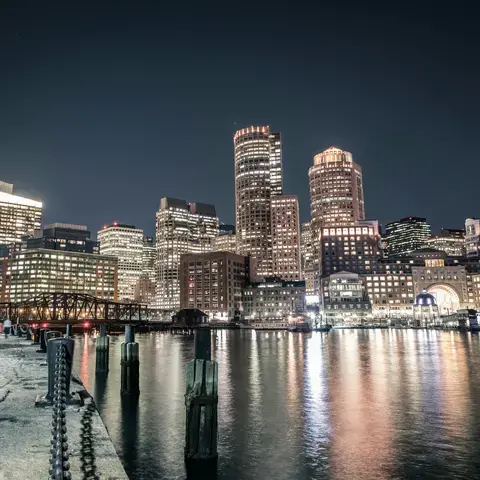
column 106, row 109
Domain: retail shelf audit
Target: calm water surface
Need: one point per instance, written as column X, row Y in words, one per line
column 356, row 404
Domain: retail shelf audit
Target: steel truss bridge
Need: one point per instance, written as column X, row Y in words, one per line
column 73, row 308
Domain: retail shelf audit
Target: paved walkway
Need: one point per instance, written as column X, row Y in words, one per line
column 25, row 430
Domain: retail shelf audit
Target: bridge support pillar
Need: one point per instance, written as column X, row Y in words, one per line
column 129, row 364
column 102, row 350
column 201, row 400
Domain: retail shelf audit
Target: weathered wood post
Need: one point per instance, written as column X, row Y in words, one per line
column 102, row 350
column 19, row 330
column 68, row 330
column 201, row 400
column 43, row 340
column 129, row 364
column 36, row 335
column 29, row 333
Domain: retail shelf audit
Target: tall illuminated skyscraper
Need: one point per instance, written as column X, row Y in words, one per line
column 258, row 178
column 18, row 215
column 126, row 243
column 286, row 237
column 336, row 189
column 181, row 228
column 336, row 197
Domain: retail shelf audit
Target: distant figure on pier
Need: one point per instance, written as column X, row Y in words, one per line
column 7, row 326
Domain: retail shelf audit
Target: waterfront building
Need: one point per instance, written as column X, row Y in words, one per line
column 274, row 299
column 181, row 228
column 406, row 235
column 286, row 237
column 31, row 272
column 391, row 294
column 354, row 249
column 447, row 284
column 64, row 237
column 213, row 282
column 258, row 177
column 19, row 216
column 226, row 240
column 425, row 310
column 451, row 241
column 345, row 299
column 124, row 242
column 472, row 237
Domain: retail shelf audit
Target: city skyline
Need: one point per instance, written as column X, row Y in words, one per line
column 111, row 115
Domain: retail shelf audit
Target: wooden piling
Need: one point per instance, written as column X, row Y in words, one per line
column 201, row 401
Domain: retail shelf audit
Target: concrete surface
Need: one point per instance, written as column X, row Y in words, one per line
column 25, row 430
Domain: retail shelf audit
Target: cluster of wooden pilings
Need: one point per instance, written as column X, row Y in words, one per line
column 201, row 386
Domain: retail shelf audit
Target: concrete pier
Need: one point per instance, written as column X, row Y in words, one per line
column 25, row 434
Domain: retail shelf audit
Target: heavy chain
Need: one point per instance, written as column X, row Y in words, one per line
column 59, row 468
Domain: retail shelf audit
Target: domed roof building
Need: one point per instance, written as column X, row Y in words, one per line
column 425, row 309
column 425, row 299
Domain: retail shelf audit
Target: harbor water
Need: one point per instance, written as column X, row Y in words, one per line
column 363, row 404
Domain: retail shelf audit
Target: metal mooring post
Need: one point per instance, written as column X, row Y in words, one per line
column 68, row 330
column 36, row 335
column 201, row 401
column 66, row 345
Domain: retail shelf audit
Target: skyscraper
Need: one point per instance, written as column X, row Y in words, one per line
column 336, row 189
column 406, row 235
column 18, row 215
column 285, row 237
column 257, row 173
column 258, row 177
column 336, row 198
column 181, row 228
column 126, row 243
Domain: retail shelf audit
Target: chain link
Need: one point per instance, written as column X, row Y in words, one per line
column 59, row 465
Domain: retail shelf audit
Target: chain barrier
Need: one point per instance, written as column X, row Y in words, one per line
column 87, row 452
column 59, row 465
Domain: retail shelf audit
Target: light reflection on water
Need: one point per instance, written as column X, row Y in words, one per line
column 378, row 404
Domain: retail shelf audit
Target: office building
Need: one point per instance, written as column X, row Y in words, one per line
column 274, row 299
column 145, row 289
column 213, row 282
column 354, row 249
column 19, row 216
column 336, row 190
column 345, row 300
column 65, row 237
column 391, row 294
column 31, row 272
column 285, row 237
column 451, row 241
column 336, row 199
column 406, row 235
column 181, row 228
column 306, row 248
column 258, row 177
column 226, row 240
column 124, row 242
column 472, row 237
